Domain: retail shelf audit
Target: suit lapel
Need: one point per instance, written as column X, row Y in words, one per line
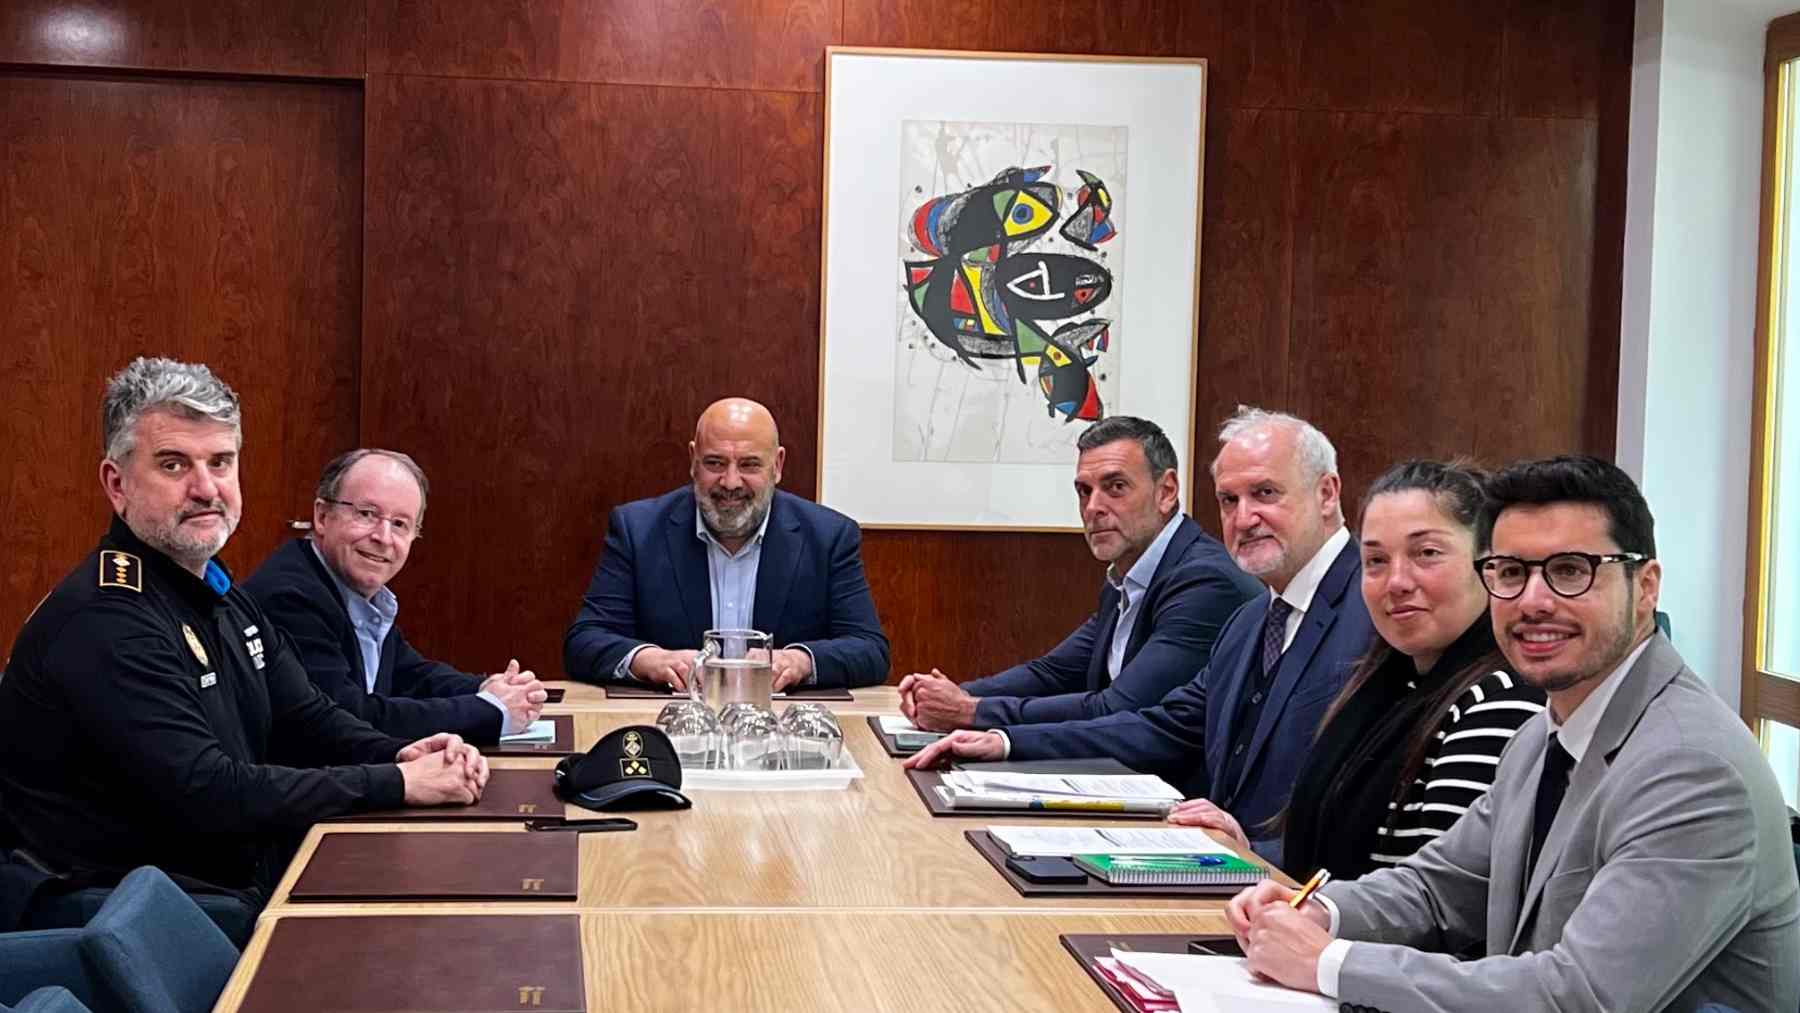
column 1108, row 612
column 1227, row 674
column 1655, row 668
column 1512, row 835
column 687, row 559
column 781, row 551
column 1296, row 661
column 1184, row 536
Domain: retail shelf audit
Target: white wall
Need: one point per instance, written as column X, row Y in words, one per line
column 1687, row 347
column 1689, row 328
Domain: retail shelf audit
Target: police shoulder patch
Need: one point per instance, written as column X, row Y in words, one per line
column 121, row 569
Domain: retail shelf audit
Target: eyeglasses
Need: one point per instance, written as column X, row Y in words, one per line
column 365, row 518
column 1569, row 574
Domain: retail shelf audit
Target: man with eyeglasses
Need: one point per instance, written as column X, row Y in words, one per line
column 152, row 714
column 330, row 594
column 1633, row 851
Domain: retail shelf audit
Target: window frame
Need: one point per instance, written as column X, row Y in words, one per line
column 1765, row 695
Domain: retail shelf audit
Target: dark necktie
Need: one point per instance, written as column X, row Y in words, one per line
column 1552, row 783
column 1274, row 632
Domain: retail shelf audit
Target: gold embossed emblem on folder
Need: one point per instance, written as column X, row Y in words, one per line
column 531, row 995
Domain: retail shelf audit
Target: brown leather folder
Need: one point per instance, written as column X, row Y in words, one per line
column 1085, row 947
column 553, row 694
column 510, row 795
column 634, row 691
column 925, row 782
column 563, row 745
column 421, row 964
column 991, row 850
column 458, row 865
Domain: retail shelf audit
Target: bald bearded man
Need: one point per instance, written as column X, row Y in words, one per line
column 730, row 551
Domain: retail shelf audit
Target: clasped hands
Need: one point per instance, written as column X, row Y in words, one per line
column 442, row 770
column 933, row 701
column 790, row 667
column 519, row 692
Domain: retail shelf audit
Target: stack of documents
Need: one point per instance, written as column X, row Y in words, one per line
column 541, row 730
column 1129, row 793
column 1157, row 982
column 906, row 734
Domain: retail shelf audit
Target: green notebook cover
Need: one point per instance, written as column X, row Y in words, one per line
column 1170, row 870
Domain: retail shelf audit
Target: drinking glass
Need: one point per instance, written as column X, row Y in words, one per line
column 694, row 730
column 753, row 737
column 814, row 739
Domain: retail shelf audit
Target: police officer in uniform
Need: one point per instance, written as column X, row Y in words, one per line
column 150, row 714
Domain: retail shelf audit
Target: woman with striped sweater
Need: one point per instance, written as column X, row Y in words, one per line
column 1415, row 736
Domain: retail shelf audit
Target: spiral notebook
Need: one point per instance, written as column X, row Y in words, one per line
column 1171, row 870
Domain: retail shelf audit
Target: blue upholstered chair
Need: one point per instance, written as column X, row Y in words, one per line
column 154, row 950
column 30, row 960
column 53, row 999
column 149, row 949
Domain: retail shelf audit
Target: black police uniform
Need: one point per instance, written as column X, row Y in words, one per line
column 149, row 717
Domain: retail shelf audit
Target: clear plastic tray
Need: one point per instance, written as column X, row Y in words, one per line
column 836, row 777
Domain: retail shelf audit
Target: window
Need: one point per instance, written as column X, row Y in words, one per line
column 1771, row 688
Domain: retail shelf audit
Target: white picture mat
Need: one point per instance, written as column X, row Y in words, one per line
column 870, row 95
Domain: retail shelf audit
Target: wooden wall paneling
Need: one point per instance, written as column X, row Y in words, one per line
column 1607, row 298
column 739, row 44
column 1246, row 42
column 1560, row 56
column 973, row 603
column 1431, row 56
column 1442, row 276
column 207, row 220
column 1246, row 279
column 312, row 38
column 561, row 277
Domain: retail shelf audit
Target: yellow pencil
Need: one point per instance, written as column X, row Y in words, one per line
column 1319, row 879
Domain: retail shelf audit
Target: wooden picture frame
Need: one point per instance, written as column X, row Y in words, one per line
column 1011, row 250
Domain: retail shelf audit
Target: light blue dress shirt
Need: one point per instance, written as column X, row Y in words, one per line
column 731, row 577
column 1132, row 590
column 373, row 618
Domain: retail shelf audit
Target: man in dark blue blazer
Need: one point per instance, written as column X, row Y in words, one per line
column 1239, row 730
column 1169, row 588
column 729, row 552
column 329, row 594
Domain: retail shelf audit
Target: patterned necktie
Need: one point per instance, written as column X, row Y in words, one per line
column 1552, row 783
column 1274, row 632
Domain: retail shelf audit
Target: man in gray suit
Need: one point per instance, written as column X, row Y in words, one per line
column 1633, row 853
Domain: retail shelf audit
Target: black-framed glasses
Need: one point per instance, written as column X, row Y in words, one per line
column 367, row 517
column 1569, row 574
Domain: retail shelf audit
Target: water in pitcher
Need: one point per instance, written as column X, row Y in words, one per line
column 736, row 680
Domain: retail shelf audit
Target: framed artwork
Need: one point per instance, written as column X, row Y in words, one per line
column 1011, row 253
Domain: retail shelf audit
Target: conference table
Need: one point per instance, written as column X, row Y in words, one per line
column 844, row 899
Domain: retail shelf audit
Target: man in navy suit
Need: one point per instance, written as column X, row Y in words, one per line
column 1169, row 588
column 729, row 552
column 329, row 594
column 1240, row 728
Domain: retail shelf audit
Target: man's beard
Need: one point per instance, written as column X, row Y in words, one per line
column 740, row 518
column 166, row 535
column 1615, row 651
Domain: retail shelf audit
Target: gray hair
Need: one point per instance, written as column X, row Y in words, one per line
column 331, row 480
column 1318, row 457
column 187, row 389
